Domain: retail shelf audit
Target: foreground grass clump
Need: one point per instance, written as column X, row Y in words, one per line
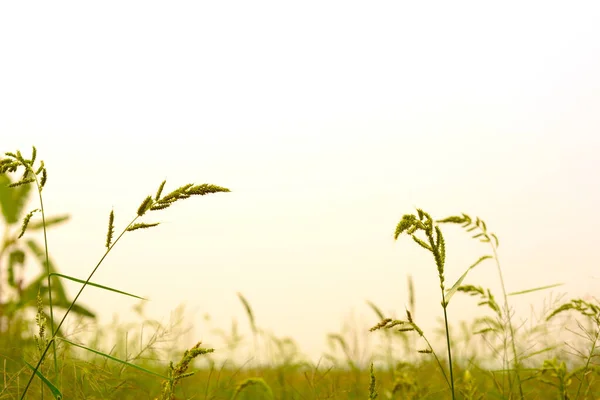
column 32, row 173
column 492, row 357
column 180, row 371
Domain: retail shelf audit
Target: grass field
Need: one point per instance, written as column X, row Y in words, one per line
column 492, row 357
column 340, row 374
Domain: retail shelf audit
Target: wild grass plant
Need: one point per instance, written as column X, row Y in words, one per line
column 585, row 374
column 32, row 173
column 500, row 324
column 62, row 363
column 434, row 243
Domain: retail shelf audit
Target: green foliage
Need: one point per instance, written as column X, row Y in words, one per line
column 66, row 367
column 179, row 371
column 504, row 317
column 16, row 295
column 13, row 204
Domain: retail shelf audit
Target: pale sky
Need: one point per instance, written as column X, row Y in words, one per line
column 328, row 121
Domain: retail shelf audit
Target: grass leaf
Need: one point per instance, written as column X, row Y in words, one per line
column 457, row 284
column 535, row 289
column 113, row 358
column 55, row 392
column 96, row 285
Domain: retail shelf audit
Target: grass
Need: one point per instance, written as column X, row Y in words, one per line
column 491, row 357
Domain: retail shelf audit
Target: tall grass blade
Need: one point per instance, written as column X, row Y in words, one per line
column 460, row 280
column 55, row 392
column 249, row 311
column 535, row 289
column 96, row 285
column 113, row 358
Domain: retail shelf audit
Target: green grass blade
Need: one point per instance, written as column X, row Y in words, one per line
column 460, row 280
column 535, row 353
column 113, row 358
column 96, row 285
column 50, row 221
column 55, row 392
column 535, row 289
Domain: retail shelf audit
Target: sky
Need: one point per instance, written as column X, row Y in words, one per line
column 328, row 121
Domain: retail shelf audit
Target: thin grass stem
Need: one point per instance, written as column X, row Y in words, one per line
column 589, row 359
column 73, row 304
column 47, row 262
column 510, row 325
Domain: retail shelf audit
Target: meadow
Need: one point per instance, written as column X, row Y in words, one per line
column 495, row 356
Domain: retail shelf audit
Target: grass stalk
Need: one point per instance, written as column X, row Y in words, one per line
column 554, row 375
column 438, row 253
column 83, row 286
column 53, row 330
column 150, row 203
column 487, row 237
column 508, row 316
column 435, row 244
column 590, row 311
column 589, row 358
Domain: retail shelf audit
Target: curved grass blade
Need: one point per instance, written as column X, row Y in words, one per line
column 50, row 221
column 55, row 392
column 535, row 289
column 29, row 294
column 535, row 353
column 249, row 311
column 113, row 358
column 460, row 280
column 96, row 285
